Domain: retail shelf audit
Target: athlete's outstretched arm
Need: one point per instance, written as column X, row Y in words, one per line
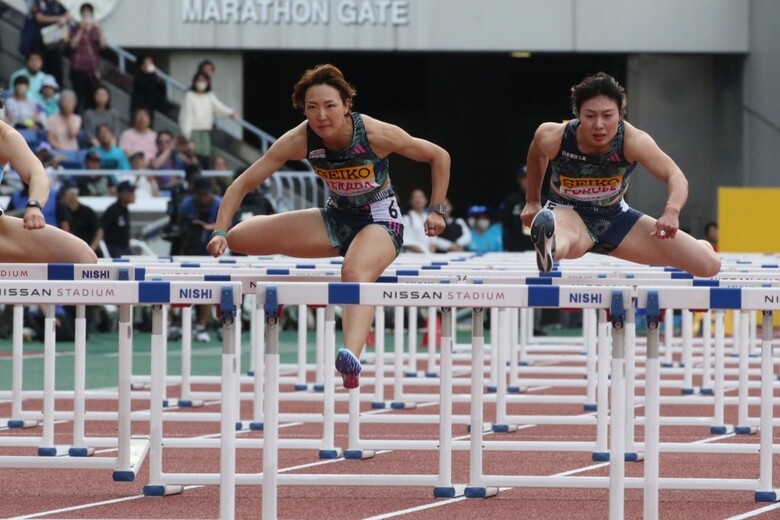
column 386, row 139
column 290, row 147
column 14, row 150
column 640, row 147
column 544, row 147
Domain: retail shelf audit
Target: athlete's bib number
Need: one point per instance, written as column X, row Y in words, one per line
column 386, row 210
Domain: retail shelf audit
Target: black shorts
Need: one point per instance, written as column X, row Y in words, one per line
column 344, row 223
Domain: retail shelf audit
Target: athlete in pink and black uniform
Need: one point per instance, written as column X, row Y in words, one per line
column 591, row 158
column 30, row 239
column 361, row 221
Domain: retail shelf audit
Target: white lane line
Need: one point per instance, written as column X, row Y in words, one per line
column 756, row 512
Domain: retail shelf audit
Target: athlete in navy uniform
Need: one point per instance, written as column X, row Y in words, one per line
column 592, row 158
column 361, row 220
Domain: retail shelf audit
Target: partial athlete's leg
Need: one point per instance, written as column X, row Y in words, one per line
column 369, row 254
column 558, row 233
column 46, row 245
column 294, row 233
column 683, row 251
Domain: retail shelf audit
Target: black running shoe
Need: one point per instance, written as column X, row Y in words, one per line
column 543, row 237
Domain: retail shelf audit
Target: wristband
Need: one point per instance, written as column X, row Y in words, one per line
column 218, row 234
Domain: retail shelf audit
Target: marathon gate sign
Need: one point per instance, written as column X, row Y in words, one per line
column 298, row 12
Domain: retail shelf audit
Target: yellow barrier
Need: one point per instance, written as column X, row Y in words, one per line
column 748, row 220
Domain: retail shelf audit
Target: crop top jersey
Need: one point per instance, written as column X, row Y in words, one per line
column 355, row 175
column 599, row 180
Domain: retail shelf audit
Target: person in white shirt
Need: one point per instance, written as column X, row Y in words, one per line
column 198, row 113
column 415, row 238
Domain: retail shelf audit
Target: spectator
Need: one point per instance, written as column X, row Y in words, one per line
column 207, row 67
column 111, row 156
column 456, row 235
column 115, row 222
column 516, row 236
column 145, row 185
column 485, row 238
column 198, row 113
column 86, row 41
column 100, row 113
column 95, row 185
column 77, row 218
column 20, row 112
column 185, row 148
column 140, row 137
column 415, row 239
column 63, row 128
column 167, row 158
column 197, row 217
column 33, row 71
column 219, row 163
column 17, row 204
column 149, row 90
column 50, row 96
column 256, row 202
column 49, row 13
column 711, row 234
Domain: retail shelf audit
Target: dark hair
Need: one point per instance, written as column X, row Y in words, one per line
column 165, row 132
column 205, row 63
column 709, row 226
column 2, row 105
column 325, row 74
column 31, row 53
column 87, row 5
column 100, row 127
column 101, row 87
column 599, row 84
column 195, row 80
column 21, row 79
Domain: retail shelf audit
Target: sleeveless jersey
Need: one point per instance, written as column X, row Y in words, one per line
column 597, row 180
column 355, row 176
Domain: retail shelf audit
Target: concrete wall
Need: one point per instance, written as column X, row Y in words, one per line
column 761, row 109
column 419, row 25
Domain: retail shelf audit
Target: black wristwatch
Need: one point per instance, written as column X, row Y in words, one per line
column 32, row 203
column 441, row 209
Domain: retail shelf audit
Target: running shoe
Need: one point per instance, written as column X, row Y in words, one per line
column 349, row 367
column 201, row 335
column 543, row 237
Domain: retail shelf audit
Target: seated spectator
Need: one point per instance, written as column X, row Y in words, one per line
column 456, row 235
column 185, row 148
column 95, row 185
column 219, row 163
column 711, row 234
column 167, row 158
column 149, row 90
column 485, row 236
column 33, row 71
column 140, row 137
column 22, row 113
column 145, row 185
column 100, row 113
column 63, row 128
column 111, row 156
column 50, row 97
column 115, row 221
column 415, row 239
column 18, row 202
column 77, row 218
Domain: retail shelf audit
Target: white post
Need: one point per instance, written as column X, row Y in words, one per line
column 49, row 371
column 602, row 405
column 706, row 331
column 271, row 416
column 590, row 334
column 687, row 354
column 319, row 379
column 186, row 354
column 617, row 462
column 411, row 369
column 668, row 337
column 743, row 425
column 79, row 380
column 302, row 332
column 767, row 395
column 17, row 367
column 124, row 405
column 432, row 333
column 230, row 402
column 445, row 403
column 652, row 413
column 379, row 357
column 398, row 354
column 720, row 353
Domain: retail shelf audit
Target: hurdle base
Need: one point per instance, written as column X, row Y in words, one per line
column 400, row 405
column 772, row 495
column 673, row 364
column 515, row 389
column 52, row 451
column 250, row 373
column 432, row 374
column 722, row 430
column 319, row 388
column 600, row 456
column 140, row 386
column 330, row 454
column 359, row 454
column 189, row 403
column 139, row 448
column 21, row 423
column 81, row 452
column 490, row 389
column 690, row 391
column 301, row 387
column 256, row 426
column 707, row 391
column 411, row 374
column 524, row 363
column 378, row 405
column 449, row 491
column 486, row 427
column 162, row 490
column 745, row 430
column 480, row 492
column 504, row 428
column 634, row 456
column 239, row 425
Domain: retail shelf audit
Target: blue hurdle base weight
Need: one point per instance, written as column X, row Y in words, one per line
column 359, row 454
column 480, row 492
column 449, row 492
column 162, row 490
column 768, row 496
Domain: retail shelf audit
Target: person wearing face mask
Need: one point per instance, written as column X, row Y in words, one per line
column 149, row 90
column 22, row 113
column 350, row 152
column 198, row 113
column 86, row 41
column 485, row 236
